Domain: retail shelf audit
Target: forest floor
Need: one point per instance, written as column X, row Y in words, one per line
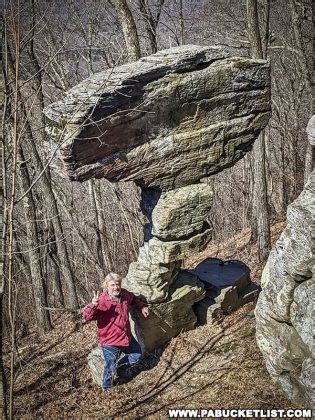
column 213, row 366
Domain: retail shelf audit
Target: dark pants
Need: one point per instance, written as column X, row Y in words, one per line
column 111, row 354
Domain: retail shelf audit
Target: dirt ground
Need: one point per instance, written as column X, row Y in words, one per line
column 213, row 366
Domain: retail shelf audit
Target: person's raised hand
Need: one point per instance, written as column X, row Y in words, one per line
column 145, row 311
column 96, row 298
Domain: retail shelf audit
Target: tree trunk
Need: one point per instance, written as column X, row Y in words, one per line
column 297, row 24
column 61, row 259
column 284, row 193
column 149, row 24
column 260, row 215
column 101, row 226
column 69, row 292
column 129, row 29
column 52, row 257
column 181, row 23
column 253, row 29
column 39, row 291
column 88, row 251
column 4, row 232
column 260, row 200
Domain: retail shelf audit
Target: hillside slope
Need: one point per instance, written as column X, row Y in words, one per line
column 213, row 366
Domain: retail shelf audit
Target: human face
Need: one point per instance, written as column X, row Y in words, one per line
column 114, row 288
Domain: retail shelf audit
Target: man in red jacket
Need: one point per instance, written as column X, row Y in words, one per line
column 111, row 311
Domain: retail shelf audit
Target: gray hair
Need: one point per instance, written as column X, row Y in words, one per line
column 111, row 276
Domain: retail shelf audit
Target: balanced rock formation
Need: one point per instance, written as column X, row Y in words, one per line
column 192, row 108
column 284, row 311
column 165, row 122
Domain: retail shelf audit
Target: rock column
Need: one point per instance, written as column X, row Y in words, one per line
column 179, row 228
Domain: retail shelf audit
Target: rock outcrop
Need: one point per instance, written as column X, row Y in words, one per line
column 193, row 108
column 284, row 311
column 164, row 122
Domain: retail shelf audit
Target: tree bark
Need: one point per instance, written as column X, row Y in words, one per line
column 101, row 226
column 253, row 29
column 260, row 200
column 52, row 256
column 149, row 23
column 4, row 219
column 129, row 29
column 260, row 215
column 303, row 62
column 181, row 22
column 298, row 37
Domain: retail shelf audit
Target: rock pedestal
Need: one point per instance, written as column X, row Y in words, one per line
column 179, row 228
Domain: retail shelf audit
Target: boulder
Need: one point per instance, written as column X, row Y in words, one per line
column 228, row 286
column 181, row 212
column 172, row 316
column 159, row 260
column 153, row 281
column 96, row 364
column 193, row 108
column 284, row 310
column 218, row 274
column 285, row 354
column 168, row 251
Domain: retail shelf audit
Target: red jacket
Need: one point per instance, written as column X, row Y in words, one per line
column 113, row 318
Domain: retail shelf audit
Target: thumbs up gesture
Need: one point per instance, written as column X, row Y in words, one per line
column 96, row 298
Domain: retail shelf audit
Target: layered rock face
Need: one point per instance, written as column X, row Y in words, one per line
column 192, row 108
column 164, row 122
column 284, row 311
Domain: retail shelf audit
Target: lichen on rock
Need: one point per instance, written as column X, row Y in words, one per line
column 193, row 108
column 284, row 311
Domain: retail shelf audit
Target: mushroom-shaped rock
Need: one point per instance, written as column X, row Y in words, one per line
column 164, row 121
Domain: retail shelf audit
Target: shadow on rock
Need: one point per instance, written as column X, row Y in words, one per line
column 228, row 286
